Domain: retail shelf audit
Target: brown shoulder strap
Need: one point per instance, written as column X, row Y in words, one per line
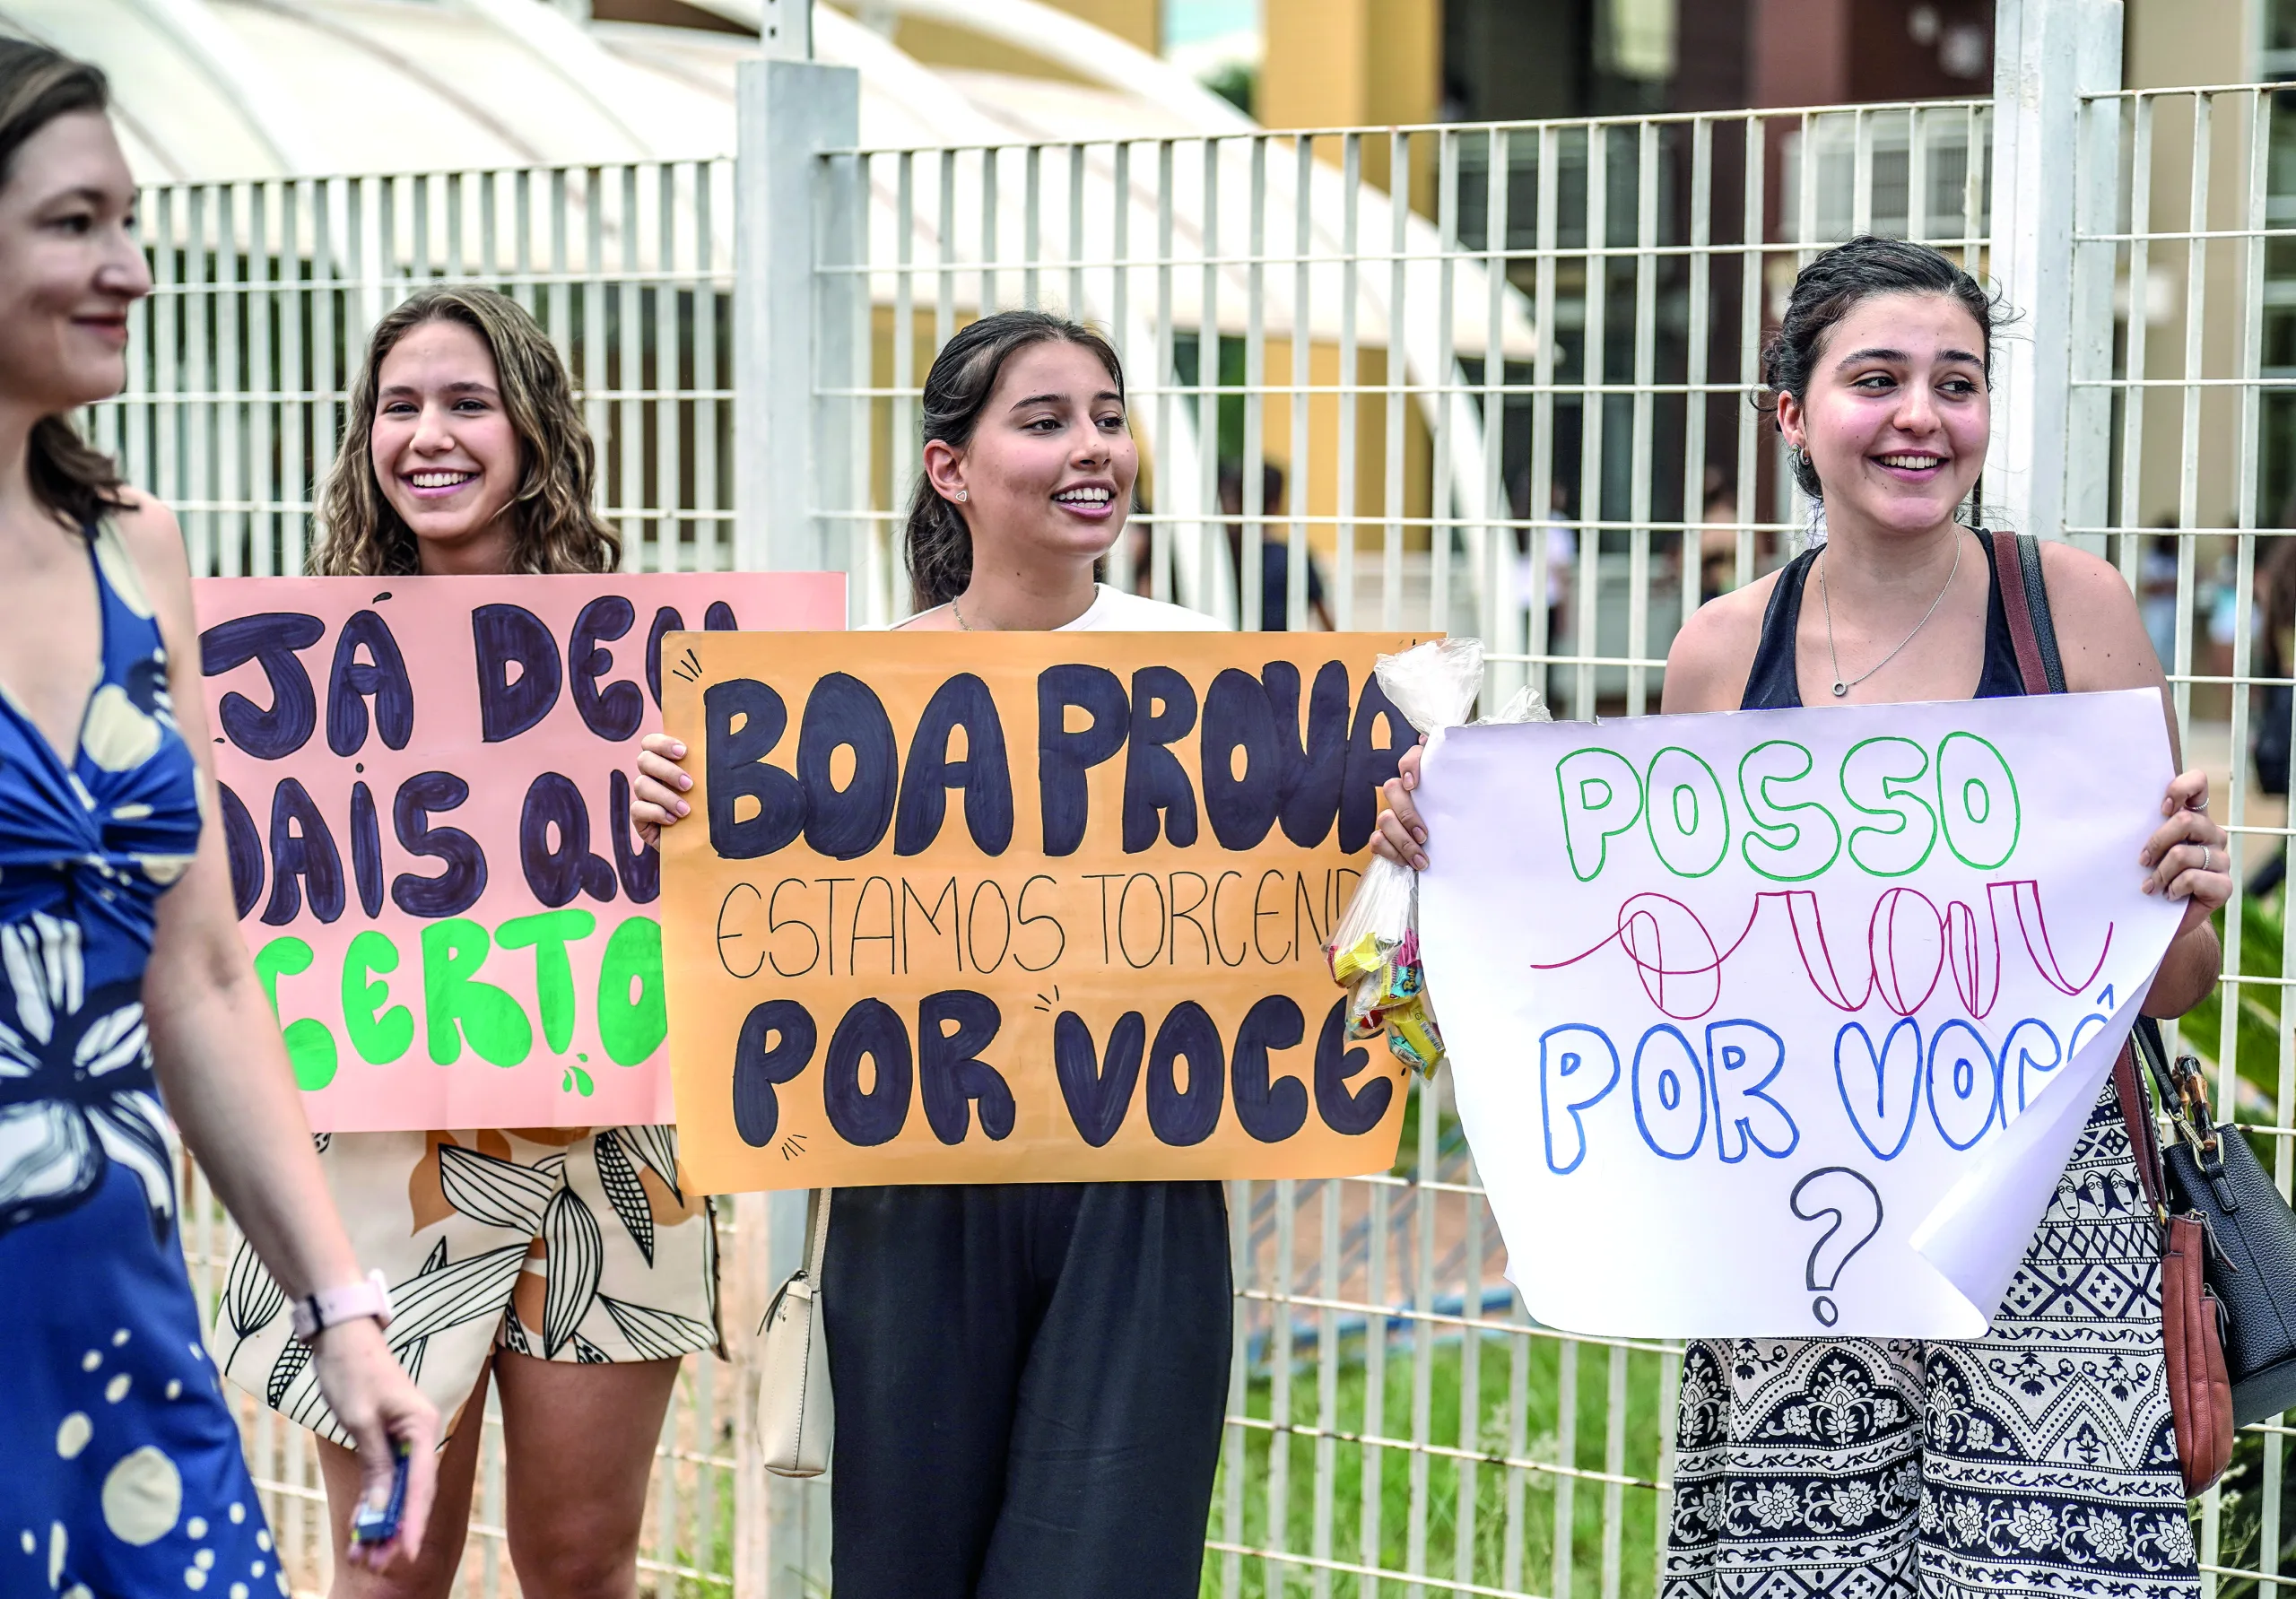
column 2012, row 580
column 2143, row 1137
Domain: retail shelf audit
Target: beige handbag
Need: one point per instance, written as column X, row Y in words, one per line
column 795, row 1419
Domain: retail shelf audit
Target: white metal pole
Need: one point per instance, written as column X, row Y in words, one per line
column 789, row 113
column 790, row 110
column 2047, row 54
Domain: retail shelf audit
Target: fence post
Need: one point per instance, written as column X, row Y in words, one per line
column 2055, row 170
column 789, row 112
column 787, row 209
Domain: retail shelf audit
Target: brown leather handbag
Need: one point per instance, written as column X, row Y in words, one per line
column 2192, row 1335
column 2192, row 1320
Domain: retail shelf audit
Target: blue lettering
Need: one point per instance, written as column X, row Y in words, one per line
column 1669, row 1094
column 1888, row 1083
column 1572, row 1061
column 1741, row 1058
column 2024, row 1046
column 1970, row 1082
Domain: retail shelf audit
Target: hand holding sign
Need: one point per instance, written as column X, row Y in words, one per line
column 1713, row 983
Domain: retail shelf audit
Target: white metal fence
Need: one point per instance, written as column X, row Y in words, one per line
column 1506, row 372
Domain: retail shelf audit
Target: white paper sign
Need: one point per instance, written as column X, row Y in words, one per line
column 1785, row 1022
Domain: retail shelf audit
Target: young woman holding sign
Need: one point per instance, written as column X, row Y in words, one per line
column 2041, row 1458
column 122, row 971
column 1030, row 1377
column 565, row 1262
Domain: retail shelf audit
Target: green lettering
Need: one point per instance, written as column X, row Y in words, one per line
column 1977, row 797
column 632, row 1027
column 1601, row 795
column 310, row 1047
column 491, row 1020
column 1687, row 818
column 1790, row 842
column 379, row 1038
column 549, row 932
column 1881, row 777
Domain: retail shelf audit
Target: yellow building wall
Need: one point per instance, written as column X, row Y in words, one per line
column 1356, row 64
column 1138, row 23
column 2167, row 43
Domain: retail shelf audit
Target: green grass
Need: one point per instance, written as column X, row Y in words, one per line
column 1511, row 1541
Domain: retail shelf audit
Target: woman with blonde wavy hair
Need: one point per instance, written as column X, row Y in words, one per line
column 465, row 454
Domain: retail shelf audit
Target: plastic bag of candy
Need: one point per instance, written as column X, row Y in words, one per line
column 1374, row 950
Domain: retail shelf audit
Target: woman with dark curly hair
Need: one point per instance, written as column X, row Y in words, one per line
column 2041, row 1458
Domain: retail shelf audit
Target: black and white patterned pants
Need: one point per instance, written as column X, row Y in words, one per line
column 2039, row 1460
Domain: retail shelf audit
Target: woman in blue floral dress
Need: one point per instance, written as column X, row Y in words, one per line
column 122, row 972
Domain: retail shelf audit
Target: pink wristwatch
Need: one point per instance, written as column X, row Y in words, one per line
column 332, row 1307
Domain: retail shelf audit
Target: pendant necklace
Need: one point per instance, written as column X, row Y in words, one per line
column 1825, row 597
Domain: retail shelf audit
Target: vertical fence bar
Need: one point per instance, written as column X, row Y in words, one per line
column 1351, row 170
column 1540, row 493
column 1167, row 379
column 1586, row 600
column 1443, row 532
column 1502, row 618
column 1393, row 437
column 1207, row 537
column 1250, row 570
column 1646, row 373
column 1295, row 575
column 1751, row 267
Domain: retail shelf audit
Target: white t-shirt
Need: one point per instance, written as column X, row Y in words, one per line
column 1113, row 611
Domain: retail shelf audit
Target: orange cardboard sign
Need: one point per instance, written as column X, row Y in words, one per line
column 1022, row 906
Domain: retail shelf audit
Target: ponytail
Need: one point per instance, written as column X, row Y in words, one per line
column 940, row 547
column 956, row 392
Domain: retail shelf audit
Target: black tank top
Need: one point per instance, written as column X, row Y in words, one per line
column 1772, row 683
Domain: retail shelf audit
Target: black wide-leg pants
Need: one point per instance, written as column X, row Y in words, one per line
column 1030, row 1381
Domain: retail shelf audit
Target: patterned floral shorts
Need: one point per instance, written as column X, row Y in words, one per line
column 566, row 1244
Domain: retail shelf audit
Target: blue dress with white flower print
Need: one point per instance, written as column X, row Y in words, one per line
column 120, row 1471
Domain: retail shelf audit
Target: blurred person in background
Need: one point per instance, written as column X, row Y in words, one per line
column 2272, row 656
column 1717, row 550
column 2156, row 592
column 1274, row 549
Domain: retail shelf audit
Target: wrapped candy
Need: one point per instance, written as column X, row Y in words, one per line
column 1374, row 950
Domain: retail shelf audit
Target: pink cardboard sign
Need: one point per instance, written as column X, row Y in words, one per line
column 425, row 786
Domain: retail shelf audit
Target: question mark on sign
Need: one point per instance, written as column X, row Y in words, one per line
column 1856, row 1206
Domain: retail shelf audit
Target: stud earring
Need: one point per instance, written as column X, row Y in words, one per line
column 961, row 494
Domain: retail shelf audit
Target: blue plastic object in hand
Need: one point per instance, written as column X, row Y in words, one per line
column 378, row 1524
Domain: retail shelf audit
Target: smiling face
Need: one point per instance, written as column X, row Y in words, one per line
column 1046, row 476
column 69, row 266
column 445, row 453
column 1897, row 413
